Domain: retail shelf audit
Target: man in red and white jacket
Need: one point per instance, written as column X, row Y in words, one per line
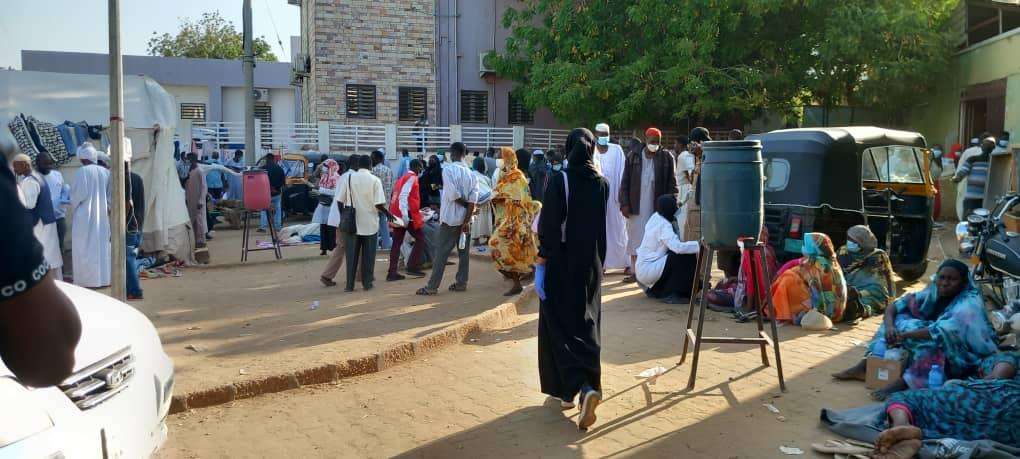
column 406, row 205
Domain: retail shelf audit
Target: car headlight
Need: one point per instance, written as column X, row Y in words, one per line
column 23, row 417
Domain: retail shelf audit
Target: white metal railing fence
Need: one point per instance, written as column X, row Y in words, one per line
column 350, row 138
column 477, row 138
column 418, row 138
column 289, row 136
column 545, row 139
column 222, row 136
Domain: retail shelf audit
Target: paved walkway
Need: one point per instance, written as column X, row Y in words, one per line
column 482, row 399
column 256, row 320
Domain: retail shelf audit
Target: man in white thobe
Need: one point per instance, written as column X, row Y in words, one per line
column 35, row 196
column 685, row 181
column 90, row 230
column 611, row 161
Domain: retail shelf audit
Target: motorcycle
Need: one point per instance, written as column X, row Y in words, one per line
column 995, row 254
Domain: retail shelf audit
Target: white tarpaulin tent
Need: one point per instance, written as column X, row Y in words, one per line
column 55, row 97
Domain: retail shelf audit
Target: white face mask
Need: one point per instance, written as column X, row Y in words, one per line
column 652, row 148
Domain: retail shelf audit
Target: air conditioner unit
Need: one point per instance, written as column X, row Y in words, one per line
column 483, row 68
column 302, row 64
column 261, row 95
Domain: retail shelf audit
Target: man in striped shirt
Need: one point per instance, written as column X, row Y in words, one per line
column 975, row 170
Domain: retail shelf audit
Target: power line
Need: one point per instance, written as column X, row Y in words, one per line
column 273, row 22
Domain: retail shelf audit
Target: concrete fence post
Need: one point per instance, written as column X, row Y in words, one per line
column 323, row 136
column 456, row 133
column 391, row 141
column 258, row 139
column 518, row 141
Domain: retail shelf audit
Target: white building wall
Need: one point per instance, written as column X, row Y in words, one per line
column 282, row 101
column 233, row 105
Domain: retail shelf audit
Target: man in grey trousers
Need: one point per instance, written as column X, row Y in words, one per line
column 457, row 205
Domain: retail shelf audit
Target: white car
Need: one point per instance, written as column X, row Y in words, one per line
column 114, row 404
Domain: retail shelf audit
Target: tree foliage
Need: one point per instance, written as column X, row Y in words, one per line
column 639, row 61
column 211, row 37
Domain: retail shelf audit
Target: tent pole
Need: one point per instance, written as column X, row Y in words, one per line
column 118, row 211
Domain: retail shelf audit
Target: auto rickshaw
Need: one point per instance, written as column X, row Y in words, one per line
column 298, row 197
column 829, row 179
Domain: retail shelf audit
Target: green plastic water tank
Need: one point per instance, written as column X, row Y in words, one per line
column 732, row 192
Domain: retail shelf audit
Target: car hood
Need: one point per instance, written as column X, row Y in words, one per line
column 107, row 326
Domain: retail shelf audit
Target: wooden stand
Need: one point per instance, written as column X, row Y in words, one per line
column 763, row 340
column 246, row 216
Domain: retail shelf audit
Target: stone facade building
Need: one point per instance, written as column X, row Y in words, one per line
column 362, row 55
column 393, row 61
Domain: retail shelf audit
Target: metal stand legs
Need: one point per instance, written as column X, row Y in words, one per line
column 247, row 231
column 759, row 270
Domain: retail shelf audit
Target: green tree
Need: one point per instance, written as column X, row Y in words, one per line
column 211, row 37
column 639, row 61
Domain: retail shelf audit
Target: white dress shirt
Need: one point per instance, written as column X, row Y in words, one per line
column 458, row 183
column 364, row 192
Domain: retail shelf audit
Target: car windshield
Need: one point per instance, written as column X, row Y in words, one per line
column 293, row 168
column 895, row 164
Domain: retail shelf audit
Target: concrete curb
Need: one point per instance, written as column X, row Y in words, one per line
column 500, row 316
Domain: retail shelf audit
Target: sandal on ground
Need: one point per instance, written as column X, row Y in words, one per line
column 458, row 288
column 841, row 447
column 327, row 281
column 629, row 280
column 513, row 291
column 746, row 317
column 424, row 291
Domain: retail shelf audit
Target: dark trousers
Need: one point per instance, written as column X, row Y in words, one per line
column 677, row 277
column 361, row 248
column 61, row 232
column 327, row 238
column 417, row 249
column 447, row 240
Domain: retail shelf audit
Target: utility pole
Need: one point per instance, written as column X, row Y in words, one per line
column 249, row 87
column 118, row 211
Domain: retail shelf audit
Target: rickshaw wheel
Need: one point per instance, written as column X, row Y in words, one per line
column 913, row 272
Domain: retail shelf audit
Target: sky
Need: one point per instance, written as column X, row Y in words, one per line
column 81, row 25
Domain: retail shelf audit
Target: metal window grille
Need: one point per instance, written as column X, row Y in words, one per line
column 518, row 114
column 412, row 103
column 361, row 101
column 474, row 107
column 193, row 111
column 264, row 112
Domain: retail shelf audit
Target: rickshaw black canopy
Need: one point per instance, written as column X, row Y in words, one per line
column 825, row 163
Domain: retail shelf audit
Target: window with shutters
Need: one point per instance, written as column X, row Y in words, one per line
column 518, row 113
column 361, row 101
column 264, row 112
column 474, row 107
column 412, row 103
column 192, row 111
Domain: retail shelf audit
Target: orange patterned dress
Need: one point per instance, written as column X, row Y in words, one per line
column 513, row 244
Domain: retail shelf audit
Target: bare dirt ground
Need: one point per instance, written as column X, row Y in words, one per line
column 255, row 320
column 481, row 399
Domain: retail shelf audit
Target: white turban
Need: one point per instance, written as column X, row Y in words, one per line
column 21, row 158
column 602, row 127
column 87, row 151
column 538, row 153
column 103, row 158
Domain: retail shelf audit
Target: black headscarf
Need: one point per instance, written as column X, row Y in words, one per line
column 666, row 206
column 478, row 164
column 523, row 160
column 580, row 150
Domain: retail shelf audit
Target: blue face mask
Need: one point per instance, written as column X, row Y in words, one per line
column 603, row 141
column 936, row 154
column 852, row 246
column 1003, row 143
column 439, row 158
column 557, row 167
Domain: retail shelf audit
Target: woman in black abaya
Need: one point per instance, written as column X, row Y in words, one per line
column 572, row 248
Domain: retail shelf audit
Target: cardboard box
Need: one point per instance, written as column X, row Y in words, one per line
column 882, row 372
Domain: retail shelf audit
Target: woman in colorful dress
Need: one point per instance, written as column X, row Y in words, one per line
column 976, row 409
column 945, row 324
column 815, row 282
column 869, row 275
column 513, row 243
column 327, row 182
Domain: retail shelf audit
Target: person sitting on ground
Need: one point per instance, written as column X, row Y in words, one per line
column 977, row 409
column 666, row 264
column 868, row 272
column 513, row 243
column 945, row 324
column 815, row 281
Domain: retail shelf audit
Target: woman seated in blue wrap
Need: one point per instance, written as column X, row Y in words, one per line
column 945, row 324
